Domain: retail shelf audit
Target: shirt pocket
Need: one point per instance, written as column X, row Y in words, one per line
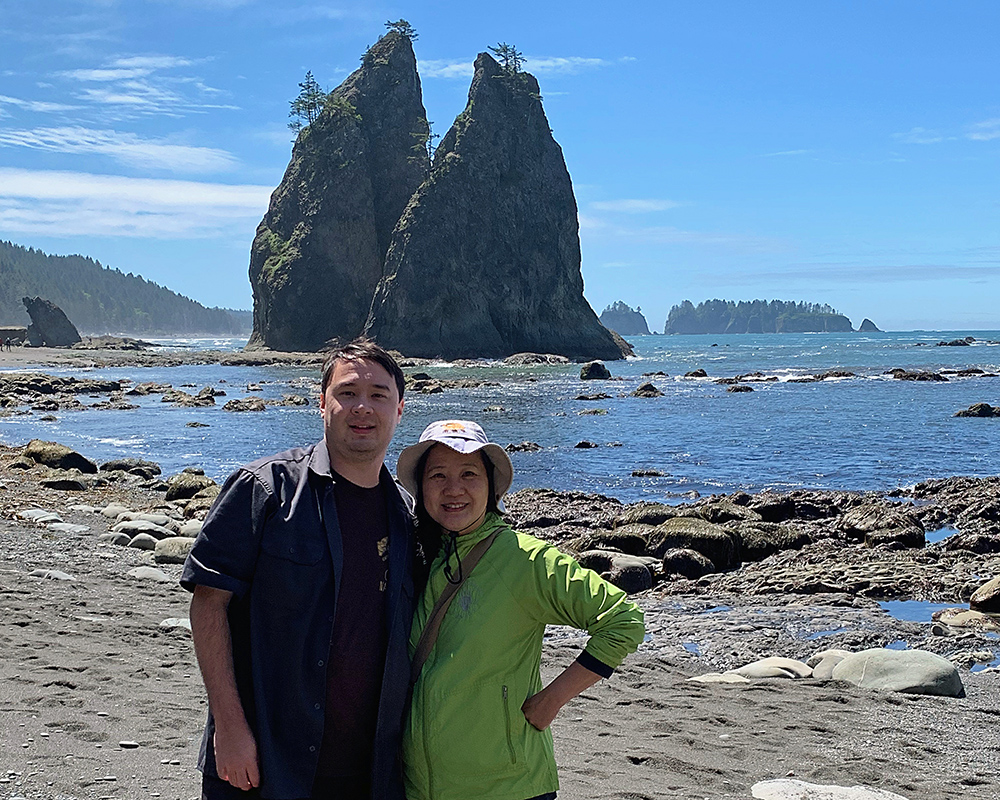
column 293, row 562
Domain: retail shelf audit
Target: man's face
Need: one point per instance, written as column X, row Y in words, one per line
column 361, row 408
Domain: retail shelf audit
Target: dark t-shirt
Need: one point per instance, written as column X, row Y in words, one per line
column 358, row 643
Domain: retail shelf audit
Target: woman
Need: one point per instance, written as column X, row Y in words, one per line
column 479, row 720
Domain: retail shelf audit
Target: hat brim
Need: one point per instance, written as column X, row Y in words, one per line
column 503, row 469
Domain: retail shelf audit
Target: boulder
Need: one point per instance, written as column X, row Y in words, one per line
column 58, row 456
column 979, row 410
column 49, row 327
column 686, row 562
column 318, row 253
column 133, row 527
column 485, row 260
column 630, row 543
column 645, row 513
column 172, row 550
column 142, row 541
column 909, row 671
column 715, row 542
column 186, row 485
column 775, row 667
column 987, row 597
column 877, row 523
column 594, row 371
column 135, row 466
column 238, row 405
column 646, row 390
column 529, row 359
column 758, row 540
column 629, row 573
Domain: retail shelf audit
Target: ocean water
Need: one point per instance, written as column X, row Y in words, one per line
column 869, row 432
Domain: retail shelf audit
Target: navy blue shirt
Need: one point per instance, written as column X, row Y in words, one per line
column 272, row 539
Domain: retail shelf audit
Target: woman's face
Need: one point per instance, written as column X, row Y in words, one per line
column 455, row 489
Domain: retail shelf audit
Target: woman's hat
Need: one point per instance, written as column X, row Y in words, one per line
column 463, row 437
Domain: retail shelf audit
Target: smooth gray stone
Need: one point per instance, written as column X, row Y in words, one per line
column 67, row 527
column 136, row 526
column 143, row 541
column 910, row 671
column 51, row 574
column 787, row 789
column 150, row 573
column 120, row 539
column 175, row 623
column 173, row 550
column 191, row 528
column 39, row 515
column 114, row 510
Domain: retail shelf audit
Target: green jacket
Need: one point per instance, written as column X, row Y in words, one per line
column 466, row 736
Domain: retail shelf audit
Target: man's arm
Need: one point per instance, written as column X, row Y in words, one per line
column 235, row 748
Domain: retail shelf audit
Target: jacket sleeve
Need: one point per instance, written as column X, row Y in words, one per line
column 224, row 554
column 562, row 592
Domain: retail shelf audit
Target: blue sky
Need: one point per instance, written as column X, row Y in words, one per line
column 843, row 153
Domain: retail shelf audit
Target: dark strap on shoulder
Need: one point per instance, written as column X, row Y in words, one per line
column 433, row 626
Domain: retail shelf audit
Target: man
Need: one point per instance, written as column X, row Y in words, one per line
column 302, row 581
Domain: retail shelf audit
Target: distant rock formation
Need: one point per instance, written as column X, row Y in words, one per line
column 318, row 253
column 49, row 327
column 624, row 319
column 755, row 316
column 867, row 326
column 485, row 261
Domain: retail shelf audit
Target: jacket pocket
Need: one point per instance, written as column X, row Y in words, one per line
column 507, row 721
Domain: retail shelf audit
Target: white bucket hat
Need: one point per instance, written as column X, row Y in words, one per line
column 463, row 437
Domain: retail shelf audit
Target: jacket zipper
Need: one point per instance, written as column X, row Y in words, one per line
column 506, row 714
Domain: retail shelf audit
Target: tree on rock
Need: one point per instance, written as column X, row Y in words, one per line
column 403, row 28
column 307, row 106
column 511, row 59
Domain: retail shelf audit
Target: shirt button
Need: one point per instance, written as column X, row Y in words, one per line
column 312, row 749
column 316, row 706
column 319, row 663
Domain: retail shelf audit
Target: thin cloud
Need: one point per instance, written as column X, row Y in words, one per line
column 789, row 153
column 537, row 65
column 440, row 68
column 634, row 206
column 669, row 235
column 151, row 62
column 35, row 105
column 919, row 136
column 125, row 148
column 562, row 66
column 118, row 74
column 879, row 273
column 985, row 131
column 82, row 204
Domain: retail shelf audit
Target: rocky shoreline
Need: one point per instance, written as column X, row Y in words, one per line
column 101, row 660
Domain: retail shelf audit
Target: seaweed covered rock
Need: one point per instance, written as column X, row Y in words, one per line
column 485, row 261
column 318, row 253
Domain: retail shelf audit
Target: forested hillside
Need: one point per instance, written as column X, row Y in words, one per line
column 99, row 300
column 755, row 316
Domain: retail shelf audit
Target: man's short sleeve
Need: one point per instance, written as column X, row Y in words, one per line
column 224, row 554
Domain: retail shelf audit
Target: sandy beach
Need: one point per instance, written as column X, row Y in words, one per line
column 102, row 696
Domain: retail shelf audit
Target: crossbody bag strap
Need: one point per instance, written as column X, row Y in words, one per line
column 433, row 626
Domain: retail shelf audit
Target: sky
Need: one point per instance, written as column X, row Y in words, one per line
column 844, row 153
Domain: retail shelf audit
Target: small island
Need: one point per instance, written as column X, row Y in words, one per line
column 755, row 316
column 624, row 320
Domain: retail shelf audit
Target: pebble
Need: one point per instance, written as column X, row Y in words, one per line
column 173, row 623
column 112, row 511
column 67, row 527
column 51, row 574
column 39, row 515
column 128, row 744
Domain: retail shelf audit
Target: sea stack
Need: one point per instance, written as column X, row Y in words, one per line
column 50, row 327
column 485, row 261
column 318, row 253
column 625, row 320
column 867, row 326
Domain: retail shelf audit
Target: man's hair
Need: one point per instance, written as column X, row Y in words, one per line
column 362, row 350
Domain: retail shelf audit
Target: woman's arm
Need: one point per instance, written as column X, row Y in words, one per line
column 540, row 709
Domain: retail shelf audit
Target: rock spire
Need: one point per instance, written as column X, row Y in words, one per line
column 485, row 261
column 318, row 253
